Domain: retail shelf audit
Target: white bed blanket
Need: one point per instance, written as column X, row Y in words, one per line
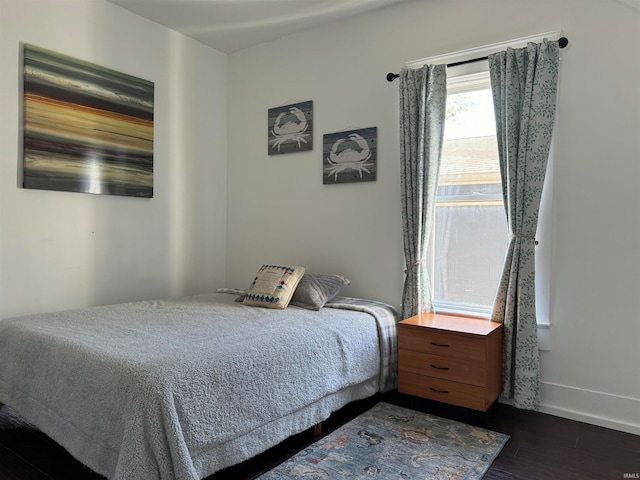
column 170, row 389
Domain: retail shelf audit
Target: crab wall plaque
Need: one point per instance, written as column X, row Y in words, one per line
column 350, row 156
column 290, row 128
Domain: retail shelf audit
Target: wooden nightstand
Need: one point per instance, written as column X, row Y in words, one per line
column 452, row 359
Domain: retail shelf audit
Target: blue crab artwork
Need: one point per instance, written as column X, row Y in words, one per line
column 350, row 156
column 291, row 128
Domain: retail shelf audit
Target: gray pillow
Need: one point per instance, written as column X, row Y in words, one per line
column 314, row 290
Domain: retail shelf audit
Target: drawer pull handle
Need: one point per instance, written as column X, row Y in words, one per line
column 438, row 391
column 439, row 344
column 439, row 368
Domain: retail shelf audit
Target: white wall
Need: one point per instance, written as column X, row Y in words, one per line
column 63, row 250
column 279, row 211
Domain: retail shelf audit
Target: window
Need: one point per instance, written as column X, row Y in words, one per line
column 469, row 241
column 448, row 278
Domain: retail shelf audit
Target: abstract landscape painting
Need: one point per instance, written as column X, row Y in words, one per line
column 86, row 128
column 350, row 156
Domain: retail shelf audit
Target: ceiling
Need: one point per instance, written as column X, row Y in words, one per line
column 232, row 25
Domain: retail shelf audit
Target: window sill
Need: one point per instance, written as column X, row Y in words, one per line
column 544, row 328
column 544, row 336
column 463, row 310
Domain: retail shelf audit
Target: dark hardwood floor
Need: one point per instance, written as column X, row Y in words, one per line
column 541, row 447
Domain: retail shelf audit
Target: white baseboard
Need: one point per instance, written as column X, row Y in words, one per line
column 588, row 406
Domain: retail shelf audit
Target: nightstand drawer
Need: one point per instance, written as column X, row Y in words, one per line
column 441, row 343
column 454, row 393
column 447, row 368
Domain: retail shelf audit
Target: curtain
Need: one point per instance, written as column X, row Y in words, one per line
column 524, row 84
column 423, row 98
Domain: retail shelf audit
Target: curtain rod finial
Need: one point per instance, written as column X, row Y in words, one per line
column 392, row 76
column 563, row 42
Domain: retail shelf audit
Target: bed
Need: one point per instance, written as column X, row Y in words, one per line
column 182, row 388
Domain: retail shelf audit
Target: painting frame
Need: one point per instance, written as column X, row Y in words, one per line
column 290, row 128
column 350, row 156
column 86, row 128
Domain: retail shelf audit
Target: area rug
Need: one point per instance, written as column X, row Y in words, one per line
column 394, row 443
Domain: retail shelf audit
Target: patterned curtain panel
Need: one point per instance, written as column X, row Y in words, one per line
column 524, row 83
column 423, row 98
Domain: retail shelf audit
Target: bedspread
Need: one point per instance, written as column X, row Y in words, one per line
column 156, row 389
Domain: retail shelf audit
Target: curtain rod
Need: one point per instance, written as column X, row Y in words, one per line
column 562, row 42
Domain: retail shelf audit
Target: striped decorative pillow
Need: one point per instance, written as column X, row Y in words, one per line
column 314, row 290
